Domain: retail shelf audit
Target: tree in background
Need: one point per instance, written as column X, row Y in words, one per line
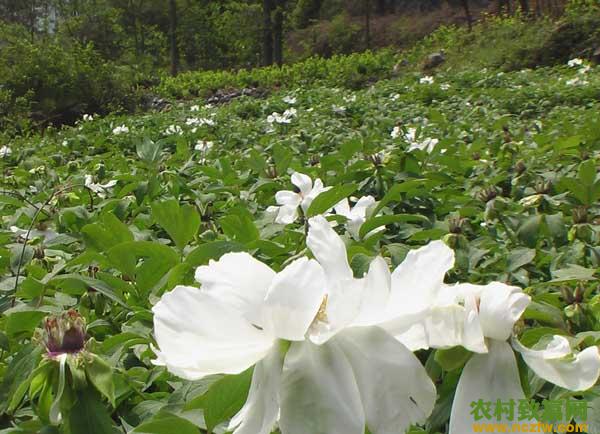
column 174, row 48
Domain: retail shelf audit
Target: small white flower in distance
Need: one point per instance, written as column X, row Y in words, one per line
column 428, row 79
column 203, row 145
column 395, row 97
column 5, row 151
column 195, row 108
column 338, row 109
column 427, row 144
column 88, row 118
column 173, row 130
column 445, row 86
column 121, row 129
column 356, row 215
column 290, row 100
column 396, row 132
column 573, row 63
column 99, row 189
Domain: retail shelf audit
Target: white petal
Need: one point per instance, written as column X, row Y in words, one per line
column 303, row 182
column 360, row 208
column 488, row 377
column 376, row 293
column 287, row 215
column 328, row 248
column 294, row 298
column 395, row 388
column 261, row 410
column 319, row 394
column 198, row 335
column 500, row 307
column 578, row 373
column 343, row 208
column 418, row 279
column 286, row 197
column 239, row 280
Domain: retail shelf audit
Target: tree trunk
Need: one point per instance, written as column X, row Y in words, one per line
column 173, row 37
column 465, row 4
column 368, row 23
column 267, row 33
column 524, row 7
column 278, row 33
column 381, row 7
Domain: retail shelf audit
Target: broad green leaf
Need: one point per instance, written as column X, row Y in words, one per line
column 224, row 398
column 88, row 414
column 167, row 424
column 212, row 250
column 24, row 321
column 520, row 257
column 375, row 222
column 100, row 374
column 148, row 150
column 452, row 358
column 328, row 199
column 180, row 222
column 84, row 283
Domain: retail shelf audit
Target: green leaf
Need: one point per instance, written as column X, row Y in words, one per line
column 327, row 200
column 587, row 172
column 573, row 272
column 148, row 150
column 167, row 424
column 100, row 374
column 213, row 250
column 84, row 283
column 531, row 336
column 180, row 222
column 224, row 399
column 375, row 222
column 24, row 321
column 452, row 358
column 88, row 414
column 108, row 232
column 239, row 226
column 19, row 369
column 520, row 257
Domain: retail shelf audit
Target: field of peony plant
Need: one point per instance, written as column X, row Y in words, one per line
column 407, row 257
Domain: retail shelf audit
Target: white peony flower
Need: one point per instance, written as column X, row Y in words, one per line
column 481, row 319
column 195, row 108
column 284, row 118
column 203, row 146
column 99, row 189
column 340, row 373
column 88, row 118
column 5, row 151
column 173, row 130
column 121, row 129
column 289, row 100
column 427, row 144
column 289, row 201
column 356, row 215
column 428, row 79
column 573, row 63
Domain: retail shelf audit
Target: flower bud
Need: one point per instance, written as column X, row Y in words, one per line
column 64, row 333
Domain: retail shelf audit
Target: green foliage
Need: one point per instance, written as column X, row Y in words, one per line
column 511, row 185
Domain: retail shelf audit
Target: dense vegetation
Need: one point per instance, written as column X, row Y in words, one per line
column 108, row 201
column 89, row 222
column 60, row 60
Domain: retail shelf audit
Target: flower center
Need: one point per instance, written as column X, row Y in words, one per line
column 322, row 312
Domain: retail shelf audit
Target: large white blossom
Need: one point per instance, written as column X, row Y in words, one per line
column 341, row 373
column 481, row 319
